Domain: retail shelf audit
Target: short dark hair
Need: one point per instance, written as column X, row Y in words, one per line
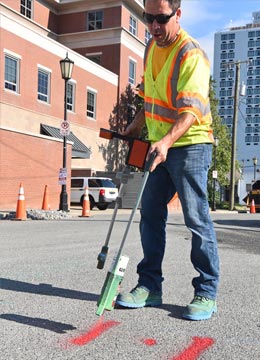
column 175, row 4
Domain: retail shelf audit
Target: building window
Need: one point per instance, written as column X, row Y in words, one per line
column 147, row 36
column 91, row 103
column 248, row 138
column 11, row 73
column 96, row 58
column 71, row 96
column 26, row 8
column 43, row 85
column 228, row 37
column 95, row 20
column 133, row 25
column 132, row 72
column 251, row 34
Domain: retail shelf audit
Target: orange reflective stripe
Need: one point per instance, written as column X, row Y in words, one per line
column 157, row 117
column 192, row 95
column 157, row 102
column 163, row 112
column 174, row 72
column 194, row 99
column 192, row 110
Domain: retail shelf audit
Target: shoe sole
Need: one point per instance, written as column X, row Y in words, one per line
column 136, row 306
column 204, row 316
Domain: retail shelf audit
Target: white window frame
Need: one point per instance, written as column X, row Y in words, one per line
column 45, row 97
column 94, row 54
column 28, row 10
column 91, row 114
column 133, row 25
column 16, row 83
column 132, row 79
column 71, row 105
column 94, row 22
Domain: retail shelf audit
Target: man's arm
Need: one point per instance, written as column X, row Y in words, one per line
column 134, row 129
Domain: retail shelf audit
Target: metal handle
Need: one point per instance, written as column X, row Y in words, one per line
column 148, row 164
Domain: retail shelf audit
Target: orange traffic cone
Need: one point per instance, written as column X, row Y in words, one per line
column 20, row 208
column 45, row 201
column 86, row 205
column 252, row 207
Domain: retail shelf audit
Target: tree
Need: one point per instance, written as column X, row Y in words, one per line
column 116, row 151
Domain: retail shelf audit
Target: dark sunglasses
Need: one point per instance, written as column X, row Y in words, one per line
column 160, row 18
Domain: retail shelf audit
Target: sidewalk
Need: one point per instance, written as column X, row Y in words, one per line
column 76, row 211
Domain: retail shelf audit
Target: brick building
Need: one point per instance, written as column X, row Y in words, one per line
column 105, row 40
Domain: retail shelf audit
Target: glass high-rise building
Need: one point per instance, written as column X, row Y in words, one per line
column 241, row 45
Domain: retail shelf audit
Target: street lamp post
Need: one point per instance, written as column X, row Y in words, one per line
column 66, row 67
column 255, row 163
column 214, row 174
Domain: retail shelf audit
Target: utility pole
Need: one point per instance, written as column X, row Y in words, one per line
column 234, row 139
column 234, row 132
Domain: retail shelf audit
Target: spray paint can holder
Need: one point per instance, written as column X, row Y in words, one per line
column 112, row 283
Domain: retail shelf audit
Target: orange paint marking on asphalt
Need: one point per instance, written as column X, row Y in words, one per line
column 198, row 346
column 95, row 331
column 149, row 342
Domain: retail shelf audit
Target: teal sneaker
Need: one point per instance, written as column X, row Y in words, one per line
column 139, row 297
column 201, row 308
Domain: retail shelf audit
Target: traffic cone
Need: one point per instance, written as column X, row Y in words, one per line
column 86, row 205
column 45, row 201
column 20, row 208
column 252, row 207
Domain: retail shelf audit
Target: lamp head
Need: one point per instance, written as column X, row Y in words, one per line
column 66, row 67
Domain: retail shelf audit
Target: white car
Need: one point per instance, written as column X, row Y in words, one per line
column 102, row 191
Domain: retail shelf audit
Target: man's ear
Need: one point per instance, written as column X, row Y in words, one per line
column 178, row 14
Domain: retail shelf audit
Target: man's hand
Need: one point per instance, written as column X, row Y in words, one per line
column 134, row 129
column 161, row 150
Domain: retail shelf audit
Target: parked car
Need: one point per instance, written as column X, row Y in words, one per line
column 102, row 191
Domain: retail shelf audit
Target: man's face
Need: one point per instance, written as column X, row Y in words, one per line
column 163, row 33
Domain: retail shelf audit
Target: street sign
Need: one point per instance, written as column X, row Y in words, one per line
column 215, row 174
column 65, row 128
column 63, row 176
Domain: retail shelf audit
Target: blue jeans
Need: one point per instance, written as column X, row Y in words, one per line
column 185, row 171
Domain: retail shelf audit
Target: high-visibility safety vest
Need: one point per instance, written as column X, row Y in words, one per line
column 182, row 85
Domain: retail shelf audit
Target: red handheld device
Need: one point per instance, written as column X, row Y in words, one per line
column 138, row 149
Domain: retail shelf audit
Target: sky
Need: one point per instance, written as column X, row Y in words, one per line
column 203, row 18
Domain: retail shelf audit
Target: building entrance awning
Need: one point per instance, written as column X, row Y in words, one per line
column 79, row 150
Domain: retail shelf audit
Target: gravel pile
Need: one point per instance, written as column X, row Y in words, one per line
column 48, row 214
column 36, row 214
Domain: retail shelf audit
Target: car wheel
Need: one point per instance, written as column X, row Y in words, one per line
column 91, row 202
column 102, row 206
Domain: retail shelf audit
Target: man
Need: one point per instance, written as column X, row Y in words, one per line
column 175, row 89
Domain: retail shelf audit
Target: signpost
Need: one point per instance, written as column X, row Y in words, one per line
column 65, row 128
column 63, row 176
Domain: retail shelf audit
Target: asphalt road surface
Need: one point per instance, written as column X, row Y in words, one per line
column 50, row 284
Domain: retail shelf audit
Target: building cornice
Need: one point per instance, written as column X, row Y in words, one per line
column 28, row 30
column 71, row 6
column 103, row 37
